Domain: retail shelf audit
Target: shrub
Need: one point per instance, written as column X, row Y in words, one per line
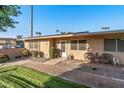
column 53, row 52
column 25, row 53
column 34, row 53
column 4, row 58
column 41, row 54
column 58, row 52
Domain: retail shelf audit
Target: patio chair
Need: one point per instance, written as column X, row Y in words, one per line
column 89, row 56
column 97, row 57
column 116, row 61
column 107, row 58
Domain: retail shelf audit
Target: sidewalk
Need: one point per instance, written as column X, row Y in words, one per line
column 17, row 62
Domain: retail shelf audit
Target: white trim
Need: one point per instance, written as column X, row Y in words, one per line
column 78, row 44
column 66, row 50
column 33, row 45
column 116, row 47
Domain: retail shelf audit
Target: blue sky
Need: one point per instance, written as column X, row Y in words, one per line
column 68, row 18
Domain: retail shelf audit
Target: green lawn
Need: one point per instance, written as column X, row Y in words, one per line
column 23, row 77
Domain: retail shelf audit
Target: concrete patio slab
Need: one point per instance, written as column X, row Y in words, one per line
column 54, row 61
column 75, row 75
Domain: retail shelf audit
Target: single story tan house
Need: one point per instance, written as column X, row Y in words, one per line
column 76, row 44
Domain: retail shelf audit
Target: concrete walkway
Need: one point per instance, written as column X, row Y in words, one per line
column 17, row 62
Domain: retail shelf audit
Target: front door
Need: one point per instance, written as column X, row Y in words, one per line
column 63, row 48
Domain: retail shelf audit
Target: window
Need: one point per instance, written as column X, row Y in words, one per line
column 110, row 45
column 120, row 45
column 33, row 45
column 74, row 45
column 82, row 44
column 78, row 45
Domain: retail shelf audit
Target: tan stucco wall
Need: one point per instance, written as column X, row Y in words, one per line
column 43, row 45
column 97, row 46
column 96, row 43
column 78, row 54
column 26, row 44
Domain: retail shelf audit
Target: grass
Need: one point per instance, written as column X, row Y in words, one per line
column 23, row 77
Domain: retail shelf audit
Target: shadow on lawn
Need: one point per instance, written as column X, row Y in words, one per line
column 14, row 80
column 7, row 70
column 56, row 82
column 24, row 81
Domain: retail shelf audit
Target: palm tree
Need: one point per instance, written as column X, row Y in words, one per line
column 105, row 28
column 63, row 32
column 57, row 30
column 38, row 33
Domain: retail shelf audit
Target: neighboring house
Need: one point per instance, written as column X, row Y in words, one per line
column 77, row 44
column 7, row 43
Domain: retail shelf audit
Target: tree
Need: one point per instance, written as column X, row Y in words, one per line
column 105, row 28
column 63, row 32
column 57, row 30
column 7, row 14
column 38, row 33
